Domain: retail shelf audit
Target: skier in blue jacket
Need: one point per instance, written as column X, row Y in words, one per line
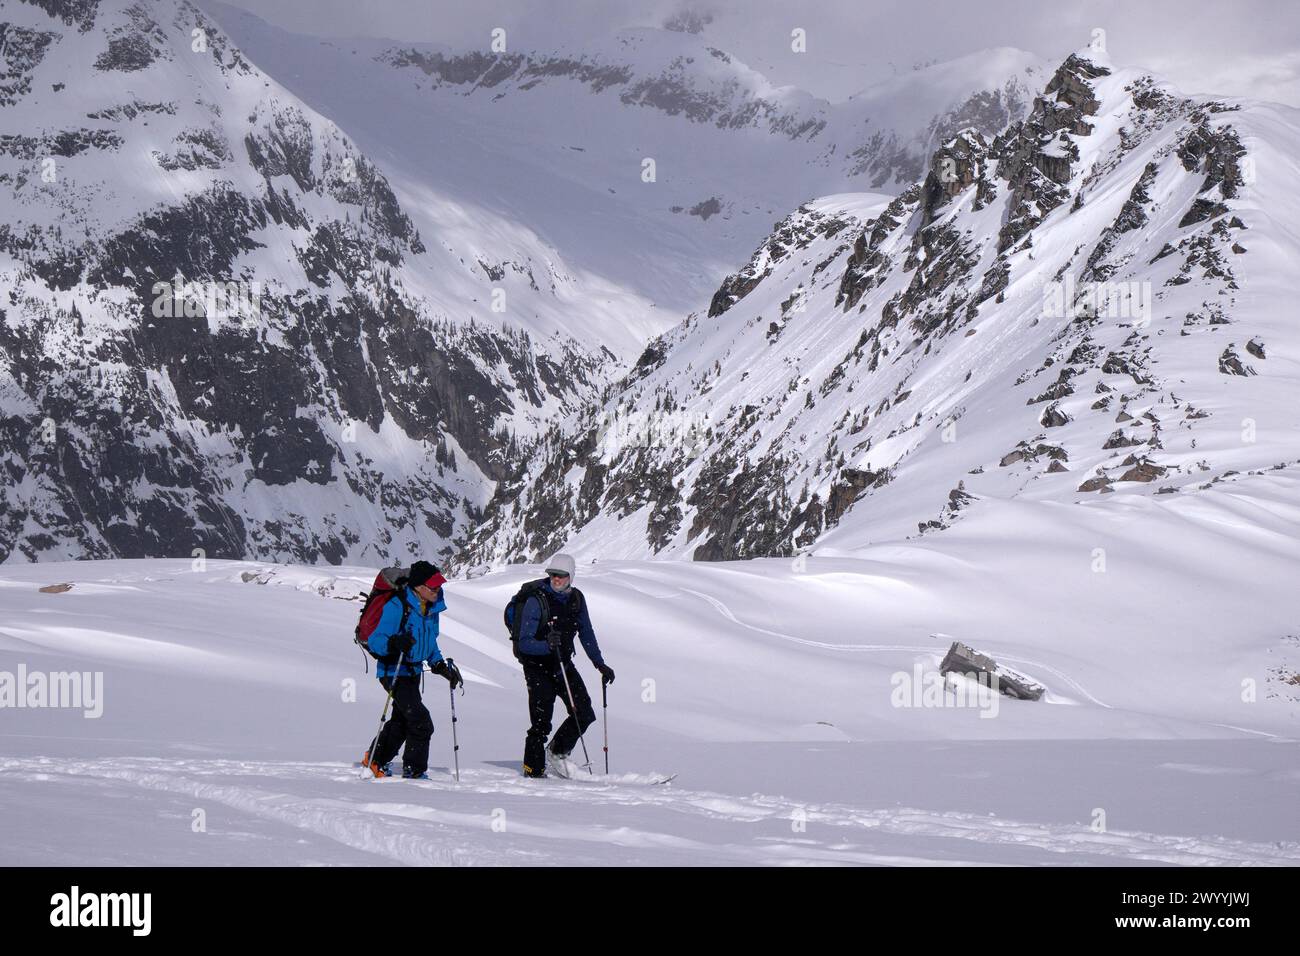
column 406, row 637
column 553, row 613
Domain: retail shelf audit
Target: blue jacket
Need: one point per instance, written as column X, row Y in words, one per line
column 533, row 646
column 422, row 625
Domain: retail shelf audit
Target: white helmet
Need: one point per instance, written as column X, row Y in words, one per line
column 562, row 564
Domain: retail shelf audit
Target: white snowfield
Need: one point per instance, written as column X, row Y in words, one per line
column 781, row 692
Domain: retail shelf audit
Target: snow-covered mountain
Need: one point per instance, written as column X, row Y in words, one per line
column 889, row 130
column 558, row 138
column 1036, row 395
column 355, row 393
column 1089, row 302
column 419, row 290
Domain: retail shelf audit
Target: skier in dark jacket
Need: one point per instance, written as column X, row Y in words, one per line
column 552, row 616
column 406, row 637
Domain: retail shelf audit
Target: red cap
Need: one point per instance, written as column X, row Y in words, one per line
column 436, row 580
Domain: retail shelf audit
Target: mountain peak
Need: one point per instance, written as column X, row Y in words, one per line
column 1073, row 86
column 1093, row 56
column 1044, row 313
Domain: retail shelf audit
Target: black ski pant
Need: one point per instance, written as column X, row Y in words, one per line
column 410, row 725
column 545, row 683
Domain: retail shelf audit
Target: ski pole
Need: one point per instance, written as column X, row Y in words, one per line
column 573, row 709
column 604, row 707
column 455, row 743
column 383, row 719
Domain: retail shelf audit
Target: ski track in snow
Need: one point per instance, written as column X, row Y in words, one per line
column 442, row 823
column 859, row 648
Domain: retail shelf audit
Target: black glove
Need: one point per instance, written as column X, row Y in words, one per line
column 400, row 643
column 606, row 673
column 447, row 668
column 554, row 640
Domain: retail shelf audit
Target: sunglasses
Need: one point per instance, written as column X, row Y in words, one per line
column 558, row 574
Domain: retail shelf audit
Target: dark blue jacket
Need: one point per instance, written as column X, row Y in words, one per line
column 420, row 624
column 531, row 645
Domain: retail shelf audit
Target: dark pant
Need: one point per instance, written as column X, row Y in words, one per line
column 545, row 683
column 410, row 724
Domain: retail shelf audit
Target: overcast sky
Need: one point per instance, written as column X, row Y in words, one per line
column 1245, row 47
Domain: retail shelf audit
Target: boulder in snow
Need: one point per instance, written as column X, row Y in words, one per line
column 963, row 659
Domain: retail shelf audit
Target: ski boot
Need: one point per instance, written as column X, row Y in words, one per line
column 379, row 770
column 558, row 765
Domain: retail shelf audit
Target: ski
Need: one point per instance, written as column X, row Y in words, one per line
column 656, row 782
column 357, row 765
column 616, row 781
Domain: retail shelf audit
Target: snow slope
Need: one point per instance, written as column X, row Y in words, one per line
column 1087, row 307
column 225, row 689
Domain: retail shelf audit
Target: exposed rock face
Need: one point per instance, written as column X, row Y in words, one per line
column 956, row 165
column 24, row 47
column 792, row 234
column 674, row 91
column 835, row 373
column 834, row 377
column 1201, row 210
column 868, row 139
column 867, row 355
column 1036, row 155
column 135, row 44
column 868, row 266
column 688, row 21
column 230, row 357
column 1053, row 417
column 1144, row 471
column 1215, row 150
column 885, row 158
column 1134, row 215
column 1230, row 363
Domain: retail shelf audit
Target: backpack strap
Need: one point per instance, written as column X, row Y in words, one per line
column 391, row 659
column 530, row 590
column 406, row 609
column 401, row 628
column 569, row 617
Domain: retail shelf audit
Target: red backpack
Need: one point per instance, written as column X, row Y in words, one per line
column 388, row 584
